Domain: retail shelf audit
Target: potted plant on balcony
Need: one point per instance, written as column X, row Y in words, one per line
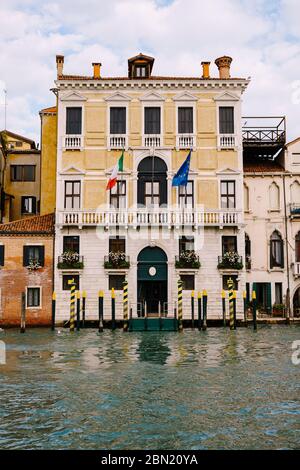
column 188, row 259
column 278, row 310
column 116, row 260
column 230, row 260
column 70, row 259
column 33, row 264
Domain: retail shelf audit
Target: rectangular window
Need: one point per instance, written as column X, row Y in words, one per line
column 72, row 194
column 74, row 119
column 1, row 255
column 140, row 72
column 278, row 292
column 226, row 119
column 116, row 282
column 33, row 297
column 28, row 205
column 185, row 120
column 69, row 277
column 152, row 120
column 71, row 243
column 188, row 281
column 186, row 195
column 118, row 195
column 228, row 195
column 234, row 279
column 229, row 243
column 33, row 254
column 22, row 172
column 186, row 244
column 117, row 244
column 118, row 120
column 152, row 193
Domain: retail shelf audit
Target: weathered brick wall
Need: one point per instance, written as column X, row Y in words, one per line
column 14, row 278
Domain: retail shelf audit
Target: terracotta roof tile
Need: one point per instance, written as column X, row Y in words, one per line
column 40, row 224
column 82, row 77
column 260, row 165
column 52, row 109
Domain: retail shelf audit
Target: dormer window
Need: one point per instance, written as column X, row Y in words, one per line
column 140, row 66
column 140, row 72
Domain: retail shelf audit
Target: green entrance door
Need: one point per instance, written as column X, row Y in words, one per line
column 152, row 280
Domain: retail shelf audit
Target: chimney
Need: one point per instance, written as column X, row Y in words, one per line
column 59, row 65
column 223, row 64
column 96, row 66
column 205, row 66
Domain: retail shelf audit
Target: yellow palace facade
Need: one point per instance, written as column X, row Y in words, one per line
column 144, row 230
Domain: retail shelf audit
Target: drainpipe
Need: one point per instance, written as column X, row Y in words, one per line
column 288, row 299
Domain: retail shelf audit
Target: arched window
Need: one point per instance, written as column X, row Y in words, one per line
column 297, row 248
column 246, row 197
column 152, row 182
column 295, row 192
column 276, row 250
column 274, row 197
column 248, row 251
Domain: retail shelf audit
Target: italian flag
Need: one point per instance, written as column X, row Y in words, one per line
column 114, row 175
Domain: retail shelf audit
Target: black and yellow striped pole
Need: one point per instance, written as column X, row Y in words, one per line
column 78, row 311
column 245, row 307
column 231, row 303
column 179, row 285
column 83, row 308
column 224, row 307
column 234, row 308
column 113, row 309
column 100, row 311
column 254, row 310
column 125, row 306
column 204, row 321
column 193, row 308
column 72, row 304
column 199, row 309
column 53, row 311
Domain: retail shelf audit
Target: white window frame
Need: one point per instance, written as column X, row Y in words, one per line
column 186, row 101
column 70, row 179
column 152, row 100
column 228, row 100
column 26, row 298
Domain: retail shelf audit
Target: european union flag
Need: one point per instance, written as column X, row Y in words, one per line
column 181, row 177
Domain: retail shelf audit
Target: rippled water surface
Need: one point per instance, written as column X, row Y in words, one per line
column 115, row 390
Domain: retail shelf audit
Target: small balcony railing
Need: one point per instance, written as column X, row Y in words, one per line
column 226, row 141
column 296, row 269
column 230, row 261
column 116, row 141
column 152, row 140
column 72, row 142
column 185, row 142
column 116, row 261
column 187, row 260
column 74, row 262
column 295, row 210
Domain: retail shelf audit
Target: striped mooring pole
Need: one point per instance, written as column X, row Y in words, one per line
column 78, row 311
column 193, row 308
column 72, row 304
column 231, row 303
column 234, row 308
column 245, row 307
column 199, row 310
column 204, row 321
column 83, row 308
column 113, row 309
column 53, row 311
column 125, row 305
column 254, row 310
column 179, row 285
column 224, row 307
column 100, row 311
column 23, row 313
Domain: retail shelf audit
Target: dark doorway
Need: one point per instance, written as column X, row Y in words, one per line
column 296, row 303
column 152, row 182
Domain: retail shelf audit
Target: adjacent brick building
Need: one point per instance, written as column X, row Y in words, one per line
column 26, row 266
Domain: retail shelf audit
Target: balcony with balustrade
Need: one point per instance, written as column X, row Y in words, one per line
column 185, row 142
column 72, row 142
column 227, row 141
column 152, row 140
column 117, row 142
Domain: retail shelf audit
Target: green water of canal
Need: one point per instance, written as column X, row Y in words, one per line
column 218, row 389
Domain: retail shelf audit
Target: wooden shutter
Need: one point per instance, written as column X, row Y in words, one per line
column 185, row 120
column 118, row 120
column 1, row 255
column 25, row 256
column 73, row 125
column 152, row 120
column 226, row 116
column 41, row 255
column 269, row 297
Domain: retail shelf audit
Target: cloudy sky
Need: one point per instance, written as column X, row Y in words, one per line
column 262, row 36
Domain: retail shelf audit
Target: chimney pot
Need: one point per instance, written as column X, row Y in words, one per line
column 96, row 66
column 60, row 65
column 205, row 66
column 223, row 63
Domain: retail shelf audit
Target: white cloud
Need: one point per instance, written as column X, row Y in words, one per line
column 259, row 36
